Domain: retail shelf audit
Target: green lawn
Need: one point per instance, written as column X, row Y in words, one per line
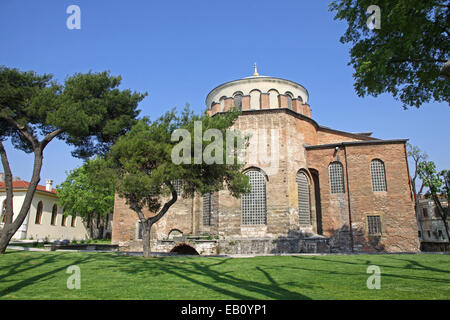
column 42, row 275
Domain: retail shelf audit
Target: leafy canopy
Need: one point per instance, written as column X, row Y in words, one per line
column 89, row 111
column 81, row 194
column 404, row 57
column 142, row 160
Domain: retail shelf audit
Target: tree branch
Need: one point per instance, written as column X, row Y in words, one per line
column 27, row 135
column 49, row 137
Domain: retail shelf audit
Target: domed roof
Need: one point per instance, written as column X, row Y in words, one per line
column 258, row 83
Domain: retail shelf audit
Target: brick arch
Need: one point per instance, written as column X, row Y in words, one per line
column 184, row 248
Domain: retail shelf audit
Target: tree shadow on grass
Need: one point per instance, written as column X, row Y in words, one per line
column 368, row 262
column 36, row 261
column 223, row 282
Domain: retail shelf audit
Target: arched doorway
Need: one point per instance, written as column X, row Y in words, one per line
column 184, row 248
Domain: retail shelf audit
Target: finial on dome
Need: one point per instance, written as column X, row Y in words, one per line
column 255, row 74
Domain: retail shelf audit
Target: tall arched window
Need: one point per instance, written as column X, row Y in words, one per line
column 336, row 177
column 72, row 223
column 303, row 198
column 3, row 212
column 207, row 209
column 40, row 208
column 378, row 175
column 254, row 210
column 54, row 214
column 237, row 100
column 64, row 221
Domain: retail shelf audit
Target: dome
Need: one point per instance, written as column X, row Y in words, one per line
column 255, row 87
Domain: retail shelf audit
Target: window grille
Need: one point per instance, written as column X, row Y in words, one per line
column 207, row 209
column 177, row 184
column 378, row 175
column 254, row 210
column 303, row 198
column 374, row 223
column 336, row 176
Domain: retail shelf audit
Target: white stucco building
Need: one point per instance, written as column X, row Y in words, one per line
column 45, row 220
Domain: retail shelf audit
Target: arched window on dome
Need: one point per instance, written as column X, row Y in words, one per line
column 207, row 209
column 289, row 99
column 273, row 98
column 237, row 100
column 255, row 99
column 378, row 174
column 336, row 177
column 304, row 204
column 222, row 103
column 254, row 209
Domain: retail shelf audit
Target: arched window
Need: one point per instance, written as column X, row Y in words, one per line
column 3, row 213
column 207, row 209
column 289, row 99
column 72, row 223
column 273, row 98
column 64, row 221
column 237, row 100
column 378, row 175
column 222, row 103
column 54, row 214
column 254, row 209
column 336, row 177
column 303, row 198
column 255, row 99
column 38, row 219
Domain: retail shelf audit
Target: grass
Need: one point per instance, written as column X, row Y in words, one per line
column 42, row 275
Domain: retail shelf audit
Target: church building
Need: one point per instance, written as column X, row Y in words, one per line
column 314, row 189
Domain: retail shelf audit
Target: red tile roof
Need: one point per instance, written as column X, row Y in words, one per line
column 24, row 185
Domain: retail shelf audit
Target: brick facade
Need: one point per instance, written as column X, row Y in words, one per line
column 294, row 142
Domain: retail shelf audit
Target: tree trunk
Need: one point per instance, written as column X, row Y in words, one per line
column 146, row 228
column 10, row 228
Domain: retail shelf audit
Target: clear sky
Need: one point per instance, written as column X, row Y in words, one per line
column 178, row 51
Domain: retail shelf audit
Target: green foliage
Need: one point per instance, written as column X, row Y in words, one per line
column 405, row 55
column 81, row 194
column 438, row 183
column 89, row 110
column 143, row 162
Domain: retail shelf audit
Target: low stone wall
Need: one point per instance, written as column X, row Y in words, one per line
column 435, row 246
column 274, row 246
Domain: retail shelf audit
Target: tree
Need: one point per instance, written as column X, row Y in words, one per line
column 82, row 195
column 146, row 172
column 88, row 112
column 438, row 184
column 417, row 156
column 404, row 57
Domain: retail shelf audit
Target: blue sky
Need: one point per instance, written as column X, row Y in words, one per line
column 178, row 51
